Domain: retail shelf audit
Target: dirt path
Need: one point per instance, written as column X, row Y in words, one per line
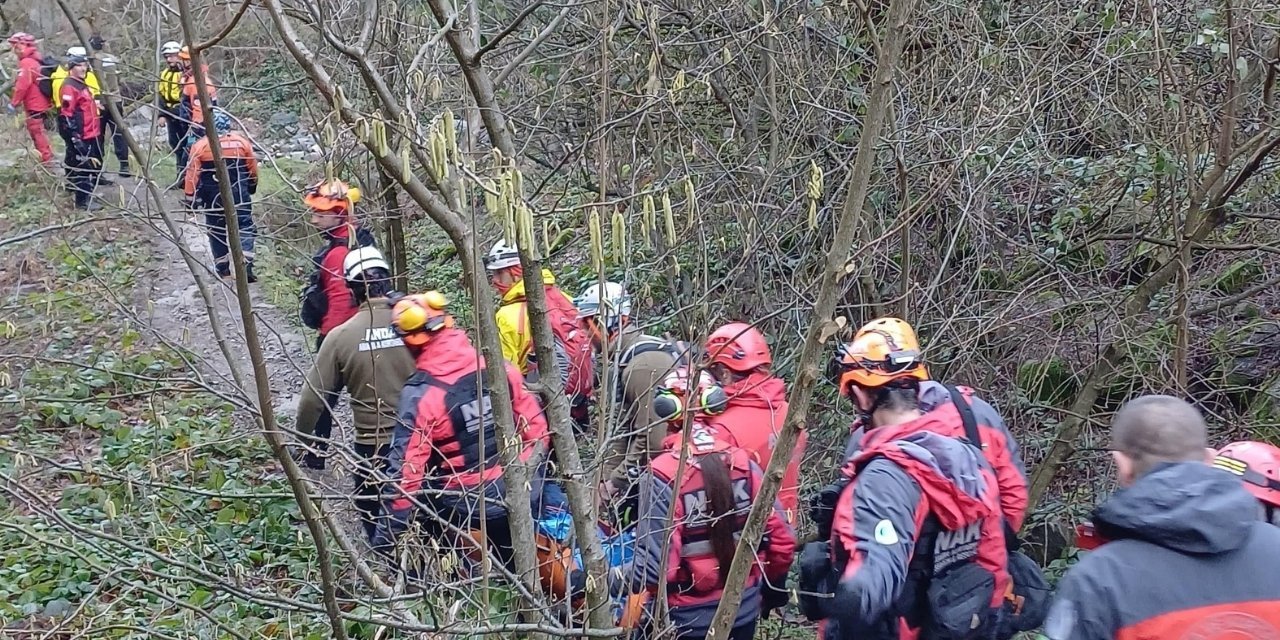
column 177, row 312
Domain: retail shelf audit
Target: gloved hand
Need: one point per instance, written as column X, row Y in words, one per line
column 81, row 148
column 12, row 109
column 773, row 595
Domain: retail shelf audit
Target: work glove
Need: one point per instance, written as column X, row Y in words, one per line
column 774, row 595
column 82, row 150
column 12, row 109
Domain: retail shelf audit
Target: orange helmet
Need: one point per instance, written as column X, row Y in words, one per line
column 184, row 53
column 1257, row 464
column 738, row 346
column 671, row 398
column 883, row 351
column 330, row 196
column 414, row 318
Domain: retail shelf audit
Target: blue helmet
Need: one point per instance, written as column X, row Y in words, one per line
column 221, row 121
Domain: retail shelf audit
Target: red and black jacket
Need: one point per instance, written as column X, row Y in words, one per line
column 330, row 282
column 78, row 111
column 1187, row 557
column 446, row 421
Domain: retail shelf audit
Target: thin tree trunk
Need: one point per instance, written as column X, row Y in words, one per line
column 821, row 324
column 266, row 412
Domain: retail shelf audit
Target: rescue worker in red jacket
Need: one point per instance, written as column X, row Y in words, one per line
column 1258, row 465
column 27, row 95
column 917, row 544
column 738, row 356
column 1187, row 556
column 998, row 445
column 572, row 344
column 327, row 301
column 81, row 126
column 203, row 193
column 718, row 486
column 445, row 451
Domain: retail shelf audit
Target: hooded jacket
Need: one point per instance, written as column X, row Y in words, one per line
column 998, row 445
column 900, row 487
column 754, row 416
column 1188, row 558
column 26, row 88
column 446, row 439
column 692, row 570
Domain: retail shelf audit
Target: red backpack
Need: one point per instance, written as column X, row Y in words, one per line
column 573, row 345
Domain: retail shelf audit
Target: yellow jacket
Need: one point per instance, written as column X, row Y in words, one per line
column 170, row 88
column 513, row 323
column 60, row 74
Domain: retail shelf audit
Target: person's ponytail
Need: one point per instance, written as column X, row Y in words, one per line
column 724, row 523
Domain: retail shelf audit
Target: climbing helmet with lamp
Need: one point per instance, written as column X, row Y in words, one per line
column 1257, row 464
column 330, row 195
column 884, row 351
column 608, row 303
column 738, row 346
column 170, row 48
column 679, row 392
column 501, row 256
column 414, row 318
column 363, row 259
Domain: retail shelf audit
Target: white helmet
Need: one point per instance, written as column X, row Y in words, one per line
column 77, row 51
column 170, row 48
column 361, row 260
column 501, row 256
column 610, row 302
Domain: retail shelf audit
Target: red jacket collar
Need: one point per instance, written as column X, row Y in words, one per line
column 759, row 390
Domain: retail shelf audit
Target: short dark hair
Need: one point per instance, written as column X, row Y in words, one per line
column 1154, row 429
column 371, row 283
column 899, row 395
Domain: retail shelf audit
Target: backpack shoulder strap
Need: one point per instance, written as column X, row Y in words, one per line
column 966, row 416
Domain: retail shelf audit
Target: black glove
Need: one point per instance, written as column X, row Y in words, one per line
column 81, row 148
column 773, row 596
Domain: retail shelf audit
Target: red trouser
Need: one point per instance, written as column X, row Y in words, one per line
column 35, row 127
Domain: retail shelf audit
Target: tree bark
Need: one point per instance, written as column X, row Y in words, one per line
column 821, row 323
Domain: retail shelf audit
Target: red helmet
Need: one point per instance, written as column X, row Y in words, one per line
column 738, row 346
column 22, row 38
column 1257, row 464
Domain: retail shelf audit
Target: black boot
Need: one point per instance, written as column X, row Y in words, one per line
column 124, row 170
column 248, row 273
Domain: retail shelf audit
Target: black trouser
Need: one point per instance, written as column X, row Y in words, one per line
column 116, row 131
column 368, row 497
column 177, row 129
column 324, row 423
column 83, row 171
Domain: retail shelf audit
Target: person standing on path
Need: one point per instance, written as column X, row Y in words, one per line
column 190, row 109
column 27, row 94
column 169, row 103
column 365, row 356
column 111, row 128
column 204, row 195
column 78, row 120
column 326, row 301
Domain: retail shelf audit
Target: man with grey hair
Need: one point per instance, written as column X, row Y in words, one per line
column 1186, row 555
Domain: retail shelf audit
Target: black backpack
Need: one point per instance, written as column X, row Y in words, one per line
column 48, row 64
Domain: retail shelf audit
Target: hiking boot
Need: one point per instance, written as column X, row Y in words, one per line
column 124, row 170
column 103, row 182
column 91, row 205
